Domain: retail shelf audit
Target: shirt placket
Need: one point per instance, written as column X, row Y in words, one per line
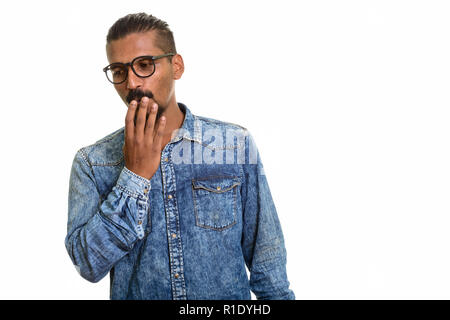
column 173, row 225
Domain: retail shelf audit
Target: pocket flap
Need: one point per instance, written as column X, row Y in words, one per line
column 216, row 184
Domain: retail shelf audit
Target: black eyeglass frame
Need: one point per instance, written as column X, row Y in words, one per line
column 152, row 58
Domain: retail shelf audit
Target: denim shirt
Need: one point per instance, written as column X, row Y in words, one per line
column 187, row 233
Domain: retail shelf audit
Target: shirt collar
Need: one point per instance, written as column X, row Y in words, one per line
column 190, row 129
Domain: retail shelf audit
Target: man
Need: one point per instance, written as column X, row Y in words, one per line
column 173, row 205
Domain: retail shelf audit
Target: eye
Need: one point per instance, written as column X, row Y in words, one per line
column 117, row 71
column 144, row 64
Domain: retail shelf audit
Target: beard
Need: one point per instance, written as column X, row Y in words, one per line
column 137, row 95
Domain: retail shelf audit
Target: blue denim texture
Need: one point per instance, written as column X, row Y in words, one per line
column 189, row 231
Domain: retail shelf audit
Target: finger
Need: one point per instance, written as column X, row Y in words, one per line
column 129, row 120
column 151, row 120
column 140, row 120
column 157, row 140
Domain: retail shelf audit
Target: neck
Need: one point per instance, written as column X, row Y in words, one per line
column 174, row 120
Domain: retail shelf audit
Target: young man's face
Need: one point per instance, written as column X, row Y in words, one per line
column 161, row 84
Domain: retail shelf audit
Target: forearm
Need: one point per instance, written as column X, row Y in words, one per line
column 268, row 277
column 100, row 234
column 108, row 235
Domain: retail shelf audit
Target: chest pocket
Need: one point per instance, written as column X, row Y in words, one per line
column 215, row 205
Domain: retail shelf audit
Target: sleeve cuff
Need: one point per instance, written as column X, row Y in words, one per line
column 133, row 184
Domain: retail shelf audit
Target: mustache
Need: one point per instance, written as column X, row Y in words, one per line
column 138, row 95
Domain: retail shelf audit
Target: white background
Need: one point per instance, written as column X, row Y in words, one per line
column 348, row 102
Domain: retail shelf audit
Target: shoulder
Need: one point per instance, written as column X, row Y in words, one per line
column 105, row 152
column 220, row 134
column 215, row 123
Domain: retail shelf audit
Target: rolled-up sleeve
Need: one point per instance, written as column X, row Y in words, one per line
column 262, row 241
column 101, row 231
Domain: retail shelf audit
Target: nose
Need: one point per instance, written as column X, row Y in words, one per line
column 133, row 81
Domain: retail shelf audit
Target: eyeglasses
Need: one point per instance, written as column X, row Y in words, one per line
column 143, row 67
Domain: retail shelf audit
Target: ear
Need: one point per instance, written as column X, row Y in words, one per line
column 177, row 66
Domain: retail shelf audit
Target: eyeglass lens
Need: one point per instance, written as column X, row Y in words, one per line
column 143, row 67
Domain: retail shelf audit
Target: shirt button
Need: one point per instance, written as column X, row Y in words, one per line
column 145, row 190
column 218, row 188
column 177, row 275
column 166, row 159
column 140, row 222
column 174, row 235
column 169, row 196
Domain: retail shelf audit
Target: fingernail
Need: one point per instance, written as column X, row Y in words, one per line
column 154, row 107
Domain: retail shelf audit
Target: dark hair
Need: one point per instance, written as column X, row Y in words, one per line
column 142, row 22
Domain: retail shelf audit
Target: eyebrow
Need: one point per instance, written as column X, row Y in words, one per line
column 144, row 55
